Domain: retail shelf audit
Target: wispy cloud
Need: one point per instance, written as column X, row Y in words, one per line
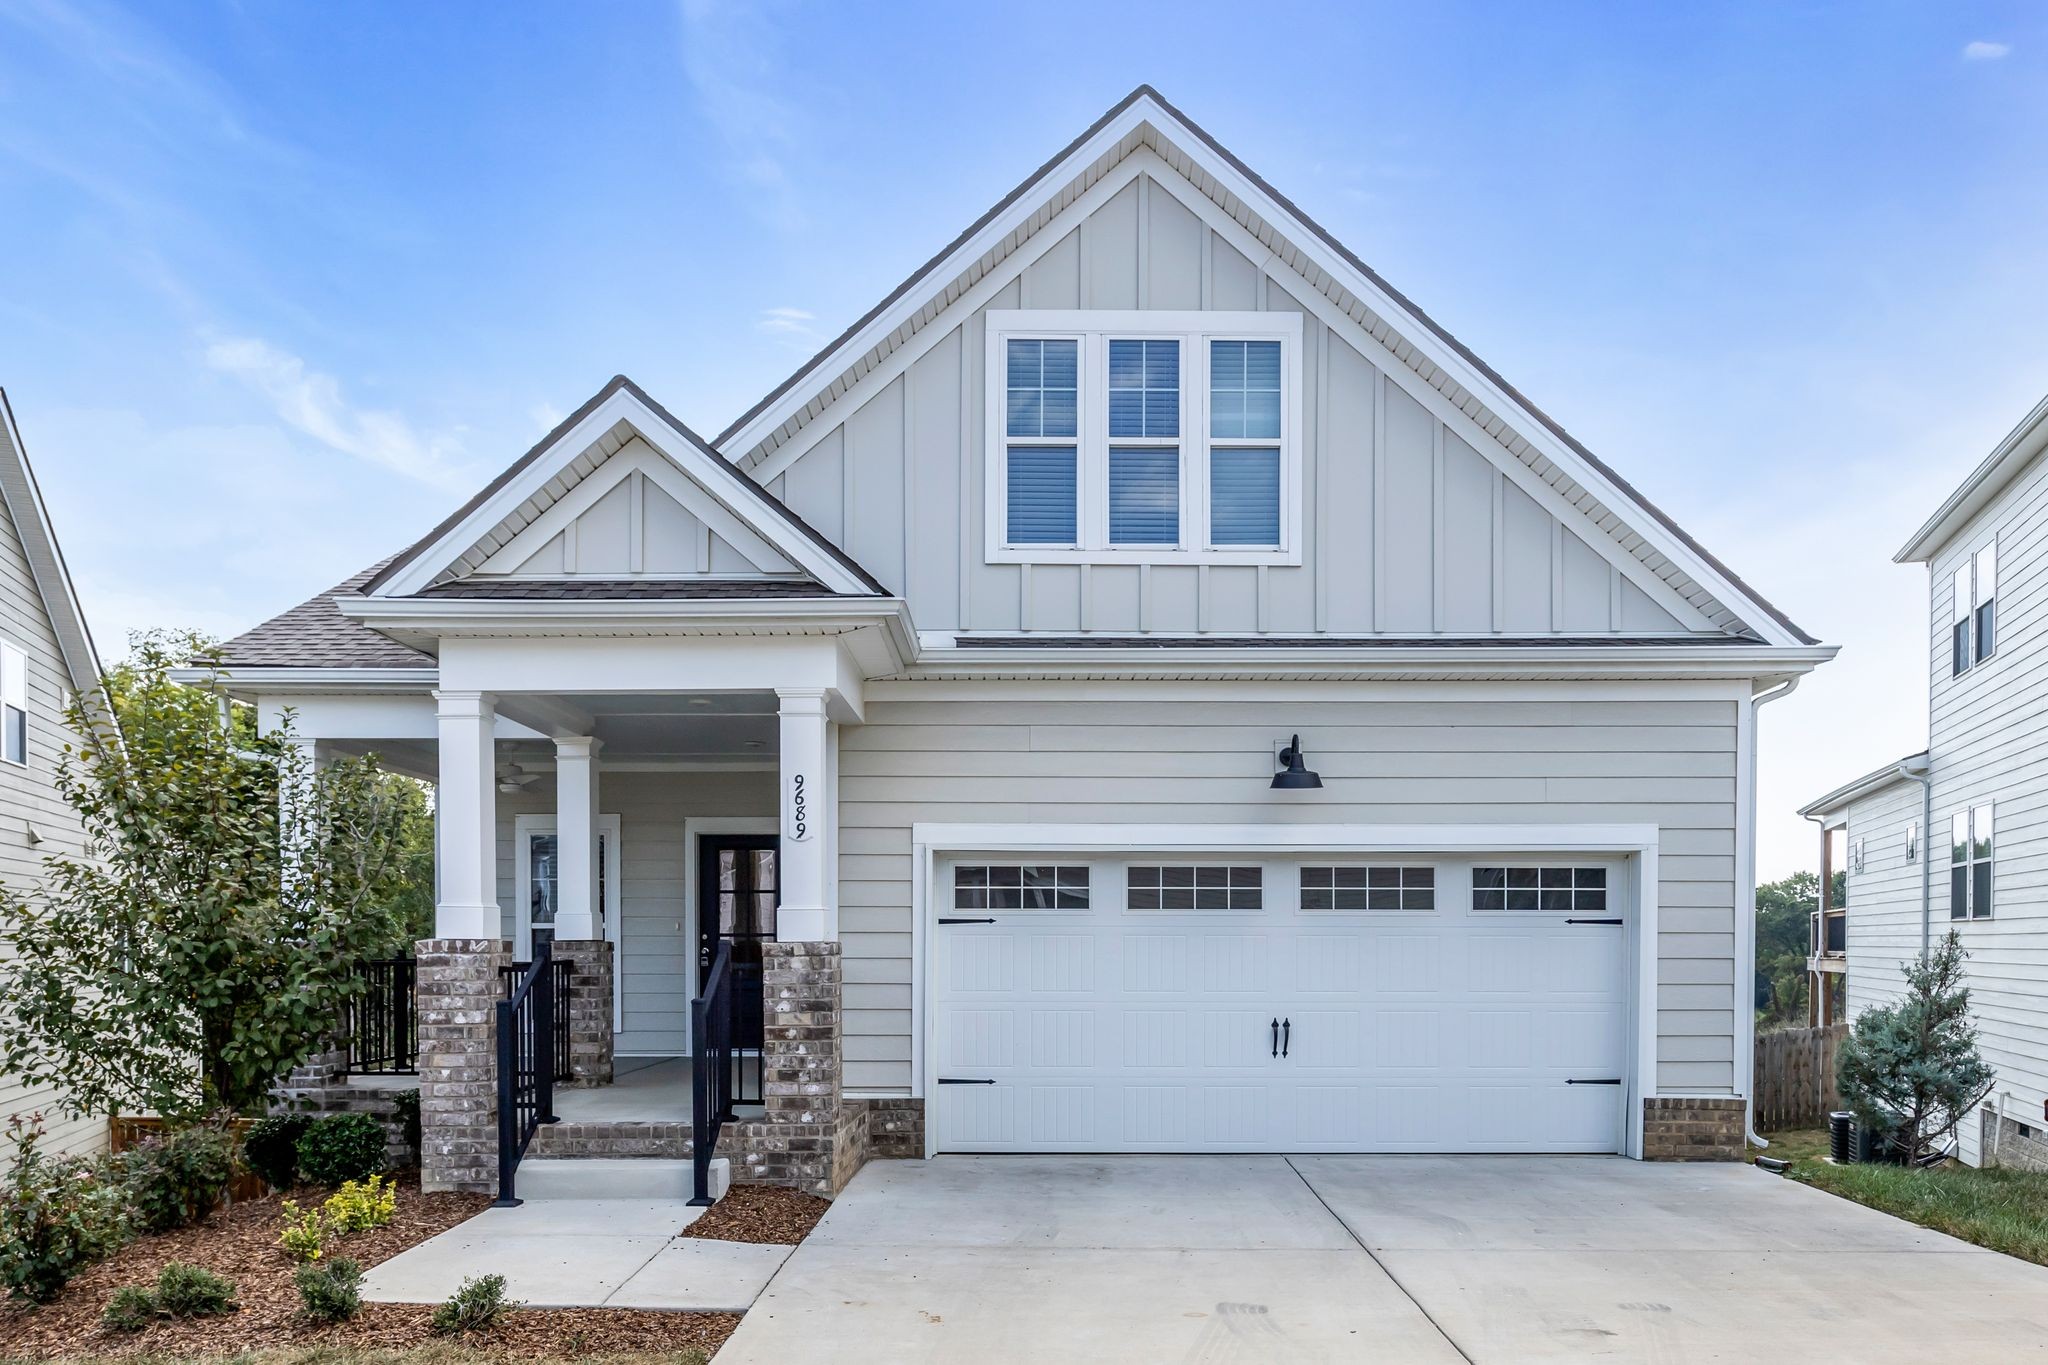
column 1981, row 51
column 545, row 416
column 728, row 60
column 794, row 324
column 311, row 402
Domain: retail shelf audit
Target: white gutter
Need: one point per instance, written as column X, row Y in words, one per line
column 1924, row 775
column 1745, row 932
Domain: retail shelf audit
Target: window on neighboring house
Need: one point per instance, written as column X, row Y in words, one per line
column 1913, row 842
column 1973, row 611
column 1144, row 437
column 13, row 703
column 1856, row 856
column 1969, row 863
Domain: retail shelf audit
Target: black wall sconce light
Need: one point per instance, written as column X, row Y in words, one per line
column 1293, row 775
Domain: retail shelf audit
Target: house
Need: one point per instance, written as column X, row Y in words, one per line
column 46, row 658
column 1144, row 687
column 1951, row 838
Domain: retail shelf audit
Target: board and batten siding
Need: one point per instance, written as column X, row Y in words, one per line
column 655, row 968
column 1202, row 753
column 1406, row 527
column 30, row 795
column 1988, row 742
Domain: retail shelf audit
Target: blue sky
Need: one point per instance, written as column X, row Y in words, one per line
column 281, row 283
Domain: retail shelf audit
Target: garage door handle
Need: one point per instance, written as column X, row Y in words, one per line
column 1578, row 1081
column 1286, row 1034
column 947, row 919
column 1276, row 1037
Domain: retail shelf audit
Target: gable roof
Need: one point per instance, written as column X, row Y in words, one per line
column 24, row 499
column 1998, row 469
column 1145, row 118
column 1871, row 782
column 805, row 540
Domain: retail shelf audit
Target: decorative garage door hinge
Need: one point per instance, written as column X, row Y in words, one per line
column 1569, row 921
column 965, row 1080
column 949, row 919
column 1616, row 1080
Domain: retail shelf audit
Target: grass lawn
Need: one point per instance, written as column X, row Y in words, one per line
column 2005, row 1210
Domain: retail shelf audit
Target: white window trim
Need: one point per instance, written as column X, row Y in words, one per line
column 1968, row 567
column 8, row 647
column 1192, row 328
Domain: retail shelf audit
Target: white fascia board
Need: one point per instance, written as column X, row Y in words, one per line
column 245, row 684
column 1624, row 661
column 623, row 406
column 1871, row 782
column 1976, row 492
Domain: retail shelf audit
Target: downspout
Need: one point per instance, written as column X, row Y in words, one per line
column 1745, row 935
column 1924, row 775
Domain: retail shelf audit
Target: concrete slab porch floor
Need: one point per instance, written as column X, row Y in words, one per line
column 1390, row 1259
column 583, row 1253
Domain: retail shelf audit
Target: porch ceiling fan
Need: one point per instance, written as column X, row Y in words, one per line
column 513, row 779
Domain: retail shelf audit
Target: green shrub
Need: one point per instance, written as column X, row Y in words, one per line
column 475, row 1307
column 407, row 1103
column 358, row 1207
column 330, row 1293
column 190, row 1291
column 128, row 1309
column 175, row 1179
column 306, row 1232
column 340, row 1148
column 272, row 1148
column 56, row 1215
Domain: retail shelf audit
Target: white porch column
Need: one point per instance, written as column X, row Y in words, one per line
column 579, row 914
column 295, row 802
column 809, row 913
column 466, row 817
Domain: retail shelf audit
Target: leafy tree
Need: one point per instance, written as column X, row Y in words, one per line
column 1911, row 1068
column 205, row 943
column 1782, row 908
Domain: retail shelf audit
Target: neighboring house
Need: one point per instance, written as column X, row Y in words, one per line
column 951, row 682
column 46, row 657
column 1961, row 824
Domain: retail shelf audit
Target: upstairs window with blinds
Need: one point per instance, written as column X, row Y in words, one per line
column 1144, row 437
column 13, row 703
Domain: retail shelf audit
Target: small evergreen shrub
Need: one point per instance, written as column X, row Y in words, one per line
column 57, row 1215
column 330, row 1293
column 128, row 1309
column 407, row 1103
column 272, row 1148
column 340, row 1148
column 1910, row 1070
column 190, row 1291
column 475, row 1307
column 306, row 1232
column 175, row 1179
column 357, row 1207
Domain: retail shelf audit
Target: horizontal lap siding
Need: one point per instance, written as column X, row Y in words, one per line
column 29, row 795
column 1988, row 734
column 947, row 754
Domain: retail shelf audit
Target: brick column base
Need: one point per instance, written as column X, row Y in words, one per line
column 1680, row 1128
column 810, row 1137
column 590, row 1008
column 458, row 994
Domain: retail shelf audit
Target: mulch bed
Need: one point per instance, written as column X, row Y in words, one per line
column 241, row 1244
column 760, row 1213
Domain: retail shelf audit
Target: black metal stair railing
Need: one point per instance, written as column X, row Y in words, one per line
column 564, row 972
column 527, row 1065
column 723, row 1051
column 382, row 1021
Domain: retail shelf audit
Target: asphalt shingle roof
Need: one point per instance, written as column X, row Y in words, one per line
column 315, row 634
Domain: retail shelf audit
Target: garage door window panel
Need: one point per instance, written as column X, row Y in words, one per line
column 1028, row 886
column 1368, row 888
column 1539, row 888
column 1194, row 887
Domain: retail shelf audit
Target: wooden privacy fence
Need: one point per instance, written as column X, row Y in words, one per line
column 1795, row 1077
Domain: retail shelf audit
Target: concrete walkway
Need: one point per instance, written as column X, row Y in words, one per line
column 581, row 1253
column 1390, row 1259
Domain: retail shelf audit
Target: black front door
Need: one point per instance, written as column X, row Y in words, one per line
column 738, row 887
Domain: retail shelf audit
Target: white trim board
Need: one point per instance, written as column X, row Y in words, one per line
column 1637, row 843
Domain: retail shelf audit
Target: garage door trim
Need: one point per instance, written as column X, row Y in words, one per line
column 1636, row 843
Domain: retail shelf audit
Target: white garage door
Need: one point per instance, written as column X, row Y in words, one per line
column 1149, row 1005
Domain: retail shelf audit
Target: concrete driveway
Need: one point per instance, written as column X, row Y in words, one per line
column 1387, row 1259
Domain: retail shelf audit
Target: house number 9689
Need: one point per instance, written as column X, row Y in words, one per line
column 799, row 809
